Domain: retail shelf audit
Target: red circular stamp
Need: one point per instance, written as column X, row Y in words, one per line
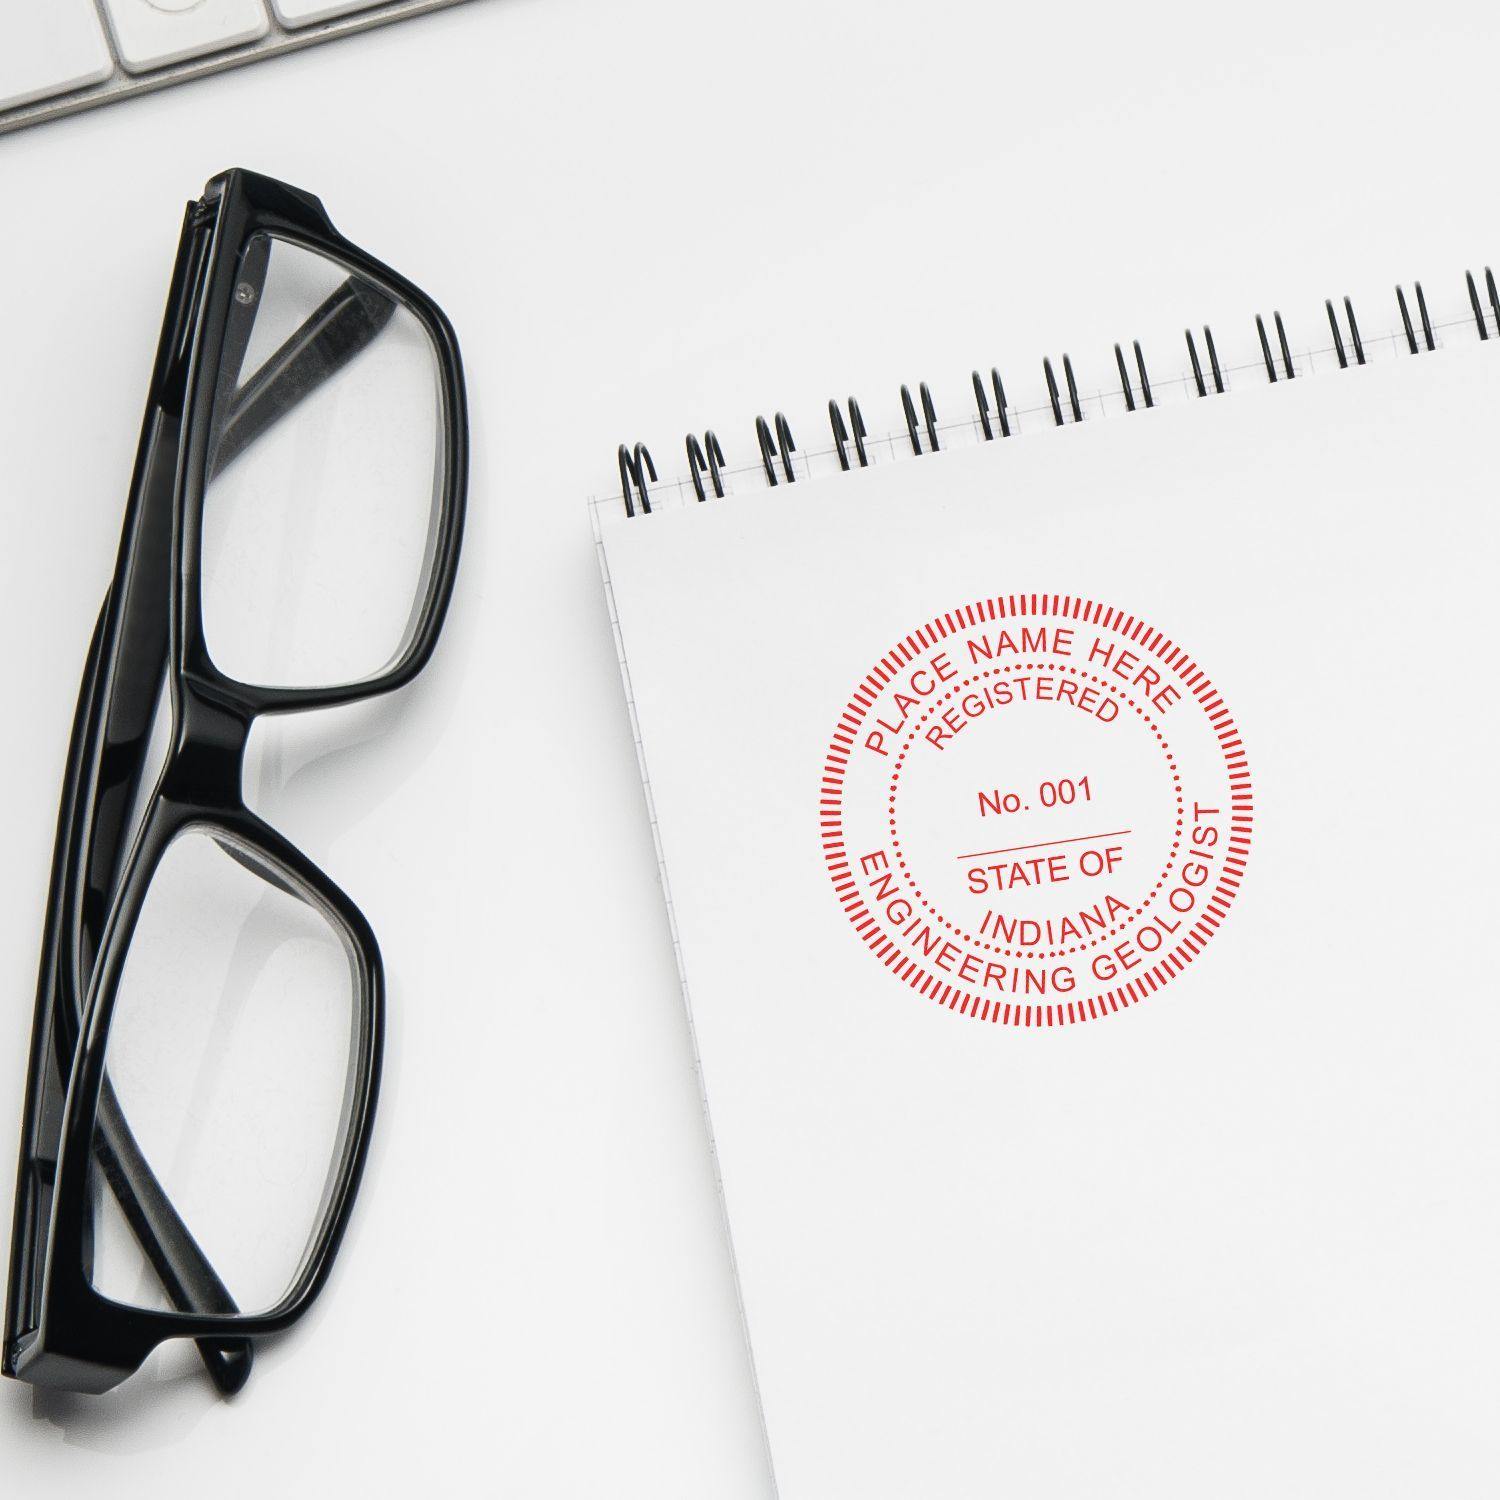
column 1036, row 810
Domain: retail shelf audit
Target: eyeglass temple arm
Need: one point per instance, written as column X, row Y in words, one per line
column 185, row 1272
column 345, row 324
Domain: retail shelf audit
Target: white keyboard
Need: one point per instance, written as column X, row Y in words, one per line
column 57, row 56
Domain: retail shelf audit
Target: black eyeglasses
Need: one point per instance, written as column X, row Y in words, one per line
column 206, row 1048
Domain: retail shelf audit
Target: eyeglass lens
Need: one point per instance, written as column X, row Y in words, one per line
column 325, row 473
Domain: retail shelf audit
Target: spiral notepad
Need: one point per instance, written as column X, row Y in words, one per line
column 1075, row 817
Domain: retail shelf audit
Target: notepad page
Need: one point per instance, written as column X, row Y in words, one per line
column 1081, row 852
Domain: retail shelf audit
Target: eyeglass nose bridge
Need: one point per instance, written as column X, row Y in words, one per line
column 206, row 765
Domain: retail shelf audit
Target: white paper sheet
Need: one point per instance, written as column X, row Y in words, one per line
column 1237, row 1238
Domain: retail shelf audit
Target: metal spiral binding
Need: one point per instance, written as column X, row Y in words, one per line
column 630, row 474
column 993, row 416
column 698, row 464
column 1338, row 339
column 982, row 401
column 1411, row 338
column 1484, row 332
column 1140, row 364
column 1265, row 347
column 1073, row 402
column 1213, row 359
column 841, row 433
column 769, row 446
column 1489, row 286
column 929, row 416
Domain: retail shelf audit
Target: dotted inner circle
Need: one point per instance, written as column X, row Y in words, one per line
column 954, row 927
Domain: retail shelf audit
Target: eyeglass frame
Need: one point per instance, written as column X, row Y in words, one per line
column 60, row 1331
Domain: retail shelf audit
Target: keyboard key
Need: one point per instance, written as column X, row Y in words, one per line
column 305, row 12
column 48, row 47
column 152, row 33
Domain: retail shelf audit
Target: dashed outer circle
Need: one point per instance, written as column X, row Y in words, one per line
column 1036, row 810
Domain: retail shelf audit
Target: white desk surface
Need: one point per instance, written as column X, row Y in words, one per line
column 639, row 217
